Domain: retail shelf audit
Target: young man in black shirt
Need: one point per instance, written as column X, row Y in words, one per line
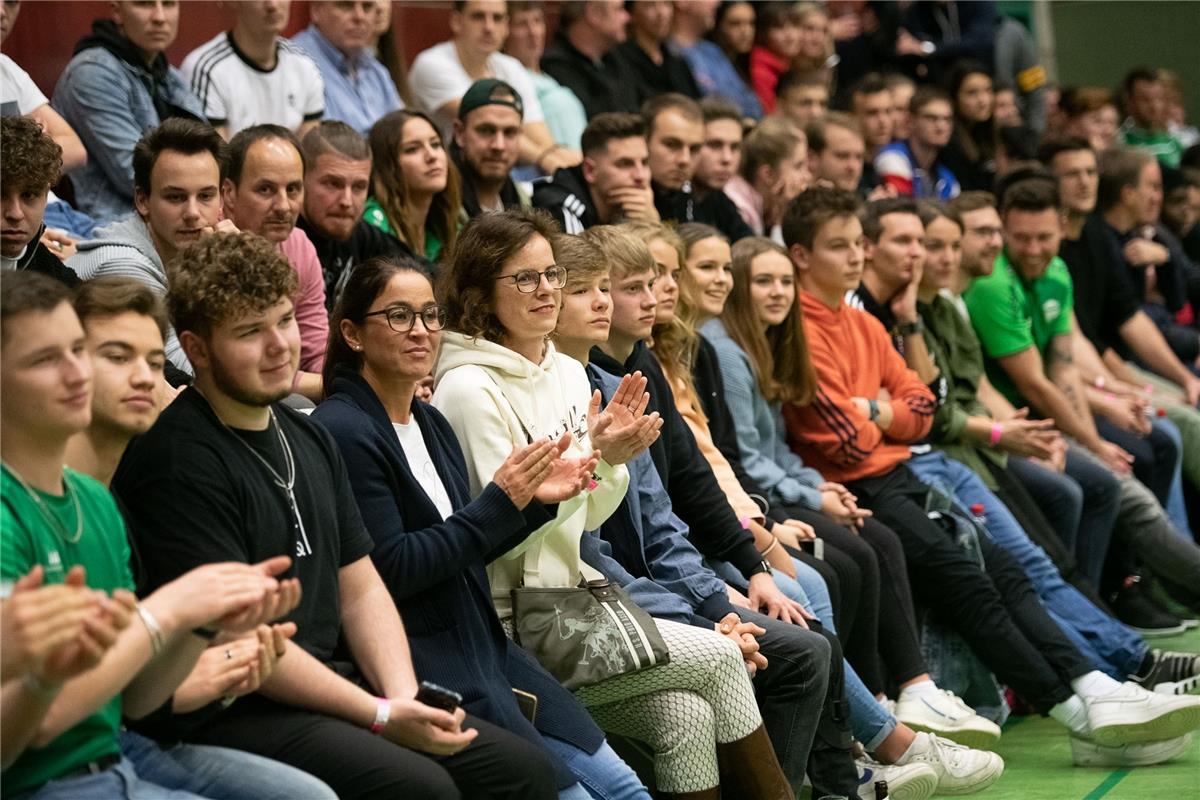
column 337, row 178
column 611, row 185
column 674, row 135
column 228, row 473
column 582, row 56
column 31, row 166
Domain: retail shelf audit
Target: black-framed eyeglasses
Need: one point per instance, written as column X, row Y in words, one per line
column 528, row 280
column 401, row 319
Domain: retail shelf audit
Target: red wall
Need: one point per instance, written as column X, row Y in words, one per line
column 47, row 30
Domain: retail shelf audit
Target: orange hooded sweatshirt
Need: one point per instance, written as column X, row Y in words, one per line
column 853, row 357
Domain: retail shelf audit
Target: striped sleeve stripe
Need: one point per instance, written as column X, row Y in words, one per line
column 843, row 421
column 202, row 75
column 837, row 422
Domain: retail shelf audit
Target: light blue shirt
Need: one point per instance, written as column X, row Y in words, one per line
column 715, row 75
column 766, row 456
column 358, row 89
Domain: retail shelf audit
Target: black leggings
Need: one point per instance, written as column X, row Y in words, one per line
column 358, row 765
column 995, row 610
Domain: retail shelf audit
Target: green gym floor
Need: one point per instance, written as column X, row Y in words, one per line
column 1038, row 765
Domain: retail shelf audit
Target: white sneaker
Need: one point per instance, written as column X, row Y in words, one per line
column 1133, row 714
column 960, row 770
column 945, row 714
column 1087, row 753
column 910, row 782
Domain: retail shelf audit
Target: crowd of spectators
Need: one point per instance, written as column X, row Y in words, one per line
column 707, row 399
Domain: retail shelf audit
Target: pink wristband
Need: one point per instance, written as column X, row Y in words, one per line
column 997, row 432
column 383, row 712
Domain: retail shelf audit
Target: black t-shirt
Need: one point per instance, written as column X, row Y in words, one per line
column 1104, row 296
column 195, row 494
column 338, row 258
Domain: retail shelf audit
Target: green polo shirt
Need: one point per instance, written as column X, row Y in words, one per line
column 28, row 538
column 1011, row 314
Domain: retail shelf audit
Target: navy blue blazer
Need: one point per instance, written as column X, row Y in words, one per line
column 434, row 568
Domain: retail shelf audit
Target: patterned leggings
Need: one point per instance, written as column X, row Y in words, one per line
column 683, row 708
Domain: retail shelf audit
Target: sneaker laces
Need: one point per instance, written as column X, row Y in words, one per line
column 948, row 752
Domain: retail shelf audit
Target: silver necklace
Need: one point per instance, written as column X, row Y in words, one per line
column 303, row 547
column 47, row 515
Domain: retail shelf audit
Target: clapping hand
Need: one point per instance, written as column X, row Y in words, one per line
column 623, row 429
column 568, row 476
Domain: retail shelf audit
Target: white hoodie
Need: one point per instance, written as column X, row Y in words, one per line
column 494, row 398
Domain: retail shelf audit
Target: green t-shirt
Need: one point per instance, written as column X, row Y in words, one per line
column 1011, row 314
column 373, row 214
column 1160, row 144
column 27, row 539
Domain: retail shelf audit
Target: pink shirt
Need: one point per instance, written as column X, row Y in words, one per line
column 310, row 299
column 749, row 203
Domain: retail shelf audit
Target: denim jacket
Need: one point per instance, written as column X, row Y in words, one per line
column 111, row 102
column 675, row 583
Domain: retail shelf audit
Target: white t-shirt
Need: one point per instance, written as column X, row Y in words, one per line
column 19, row 95
column 413, row 444
column 437, row 77
column 238, row 93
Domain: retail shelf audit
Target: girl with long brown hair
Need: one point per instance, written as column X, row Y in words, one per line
column 416, row 192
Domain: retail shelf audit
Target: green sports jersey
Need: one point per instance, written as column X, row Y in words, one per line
column 1011, row 314
column 27, row 539
column 373, row 214
column 1160, row 144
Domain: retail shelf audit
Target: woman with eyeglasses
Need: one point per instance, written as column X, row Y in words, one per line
column 501, row 384
column 432, row 540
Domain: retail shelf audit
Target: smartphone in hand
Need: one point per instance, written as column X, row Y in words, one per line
column 438, row 696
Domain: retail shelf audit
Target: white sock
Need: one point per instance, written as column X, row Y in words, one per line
column 1095, row 684
column 1072, row 713
column 919, row 745
column 919, row 688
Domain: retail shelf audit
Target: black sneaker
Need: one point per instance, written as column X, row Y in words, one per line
column 1138, row 610
column 1171, row 673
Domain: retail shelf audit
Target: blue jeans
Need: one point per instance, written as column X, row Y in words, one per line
column 1175, row 508
column 1058, row 496
column 119, row 782
column 869, row 720
column 1108, row 644
column 1101, row 507
column 807, row 588
column 602, row 775
column 220, row 773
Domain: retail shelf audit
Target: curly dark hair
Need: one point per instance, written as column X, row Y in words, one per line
column 224, row 276
column 484, row 247
column 32, row 160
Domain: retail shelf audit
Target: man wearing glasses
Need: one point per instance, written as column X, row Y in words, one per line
column 911, row 167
